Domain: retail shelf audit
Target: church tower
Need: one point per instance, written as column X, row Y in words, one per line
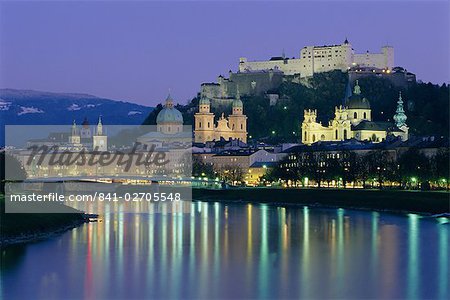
column 74, row 137
column 100, row 140
column 341, row 125
column 237, row 120
column 400, row 118
column 204, row 122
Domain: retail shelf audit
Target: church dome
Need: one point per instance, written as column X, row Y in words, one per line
column 237, row 103
column 356, row 101
column 169, row 114
column 204, row 101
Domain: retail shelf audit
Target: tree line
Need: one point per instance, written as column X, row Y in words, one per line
column 409, row 170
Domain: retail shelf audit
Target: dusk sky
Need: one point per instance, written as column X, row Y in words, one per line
column 136, row 51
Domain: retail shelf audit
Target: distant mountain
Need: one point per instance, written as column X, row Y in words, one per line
column 27, row 107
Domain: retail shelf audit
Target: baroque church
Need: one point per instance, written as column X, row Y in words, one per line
column 232, row 127
column 354, row 120
column 84, row 137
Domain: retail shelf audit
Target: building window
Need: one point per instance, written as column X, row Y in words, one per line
column 355, row 115
column 242, row 126
column 365, row 116
column 336, row 134
column 208, row 124
column 199, row 124
column 345, row 134
column 314, row 138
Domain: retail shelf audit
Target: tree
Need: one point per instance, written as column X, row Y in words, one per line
column 10, row 169
column 349, row 165
column 414, row 167
column 440, row 164
column 378, row 164
column 200, row 168
column 333, row 169
column 282, row 171
column 362, row 169
column 233, row 174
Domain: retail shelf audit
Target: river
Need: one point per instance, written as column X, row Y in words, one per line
column 216, row 250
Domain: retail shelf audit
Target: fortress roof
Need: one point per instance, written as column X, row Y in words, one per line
column 278, row 58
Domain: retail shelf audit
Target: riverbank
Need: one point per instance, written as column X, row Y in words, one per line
column 383, row 200
column 22, row 228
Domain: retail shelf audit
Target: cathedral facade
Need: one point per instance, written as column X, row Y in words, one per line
column 354, row 120
column 233, row 127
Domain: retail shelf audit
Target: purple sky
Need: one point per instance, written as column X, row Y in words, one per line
column 136, row 51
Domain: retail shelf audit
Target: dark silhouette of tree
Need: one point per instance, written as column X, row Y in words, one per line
column 414, row 166
column 440, row 165
column 10, row 170
column 200, row 168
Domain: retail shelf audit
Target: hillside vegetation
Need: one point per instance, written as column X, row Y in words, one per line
column 426, row 105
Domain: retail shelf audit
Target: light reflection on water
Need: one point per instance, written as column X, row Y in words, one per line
column 218, row 250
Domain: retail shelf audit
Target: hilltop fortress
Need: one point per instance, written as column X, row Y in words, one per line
column 316, row 59
column 264, row 77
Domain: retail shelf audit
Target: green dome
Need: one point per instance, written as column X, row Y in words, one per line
column 237, row 103
column 169, row 115
column 204, row 101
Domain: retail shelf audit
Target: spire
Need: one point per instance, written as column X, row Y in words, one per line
column 74, row 128
column 283, row 54
column 400, row 116
column 346, row 41
column 357, row 89
column 169, row 101
column 99, row 126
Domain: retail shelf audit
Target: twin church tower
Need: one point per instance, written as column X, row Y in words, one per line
column 170, row 121
column 233, row 127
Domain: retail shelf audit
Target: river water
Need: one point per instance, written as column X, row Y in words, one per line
column 214, row 250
